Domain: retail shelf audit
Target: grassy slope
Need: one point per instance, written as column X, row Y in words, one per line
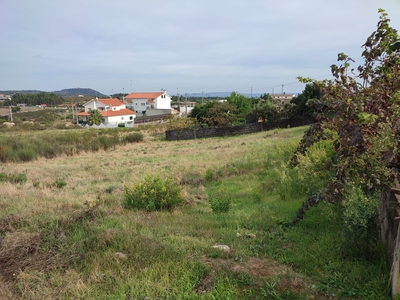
column 78, row 242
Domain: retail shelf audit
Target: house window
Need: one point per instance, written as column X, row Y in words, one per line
column 143, row 104
column 130, row 118
column 122, row 118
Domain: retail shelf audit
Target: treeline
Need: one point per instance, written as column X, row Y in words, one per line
column 239, row 109
column 50, row 99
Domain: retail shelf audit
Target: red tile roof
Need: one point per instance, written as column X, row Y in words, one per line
column 110, row 101
column 144, row 95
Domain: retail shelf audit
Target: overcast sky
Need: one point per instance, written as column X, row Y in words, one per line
column 183, row 46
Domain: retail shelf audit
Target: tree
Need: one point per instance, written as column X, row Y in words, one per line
column 266, row 111
column 360, row 114
column 215, row 114
column 94, row 117
column 311, row 92
column 242, row 103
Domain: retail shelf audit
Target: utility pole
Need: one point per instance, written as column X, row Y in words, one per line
column 11, row 114
column 282, row 88
column 186, row 104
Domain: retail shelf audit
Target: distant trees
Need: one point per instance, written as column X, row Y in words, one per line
column 49, row 99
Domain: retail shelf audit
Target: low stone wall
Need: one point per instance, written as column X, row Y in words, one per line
column 193, row 133
column 389, row 217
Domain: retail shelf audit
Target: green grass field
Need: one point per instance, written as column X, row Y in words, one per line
column 65, row 234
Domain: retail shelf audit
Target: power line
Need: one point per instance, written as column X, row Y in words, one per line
column 262, row 88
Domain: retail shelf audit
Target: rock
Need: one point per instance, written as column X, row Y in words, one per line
column 121, row 255
column 223, row 248
column 238, row 234
column 251, row 236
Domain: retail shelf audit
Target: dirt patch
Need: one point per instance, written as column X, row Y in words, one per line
column 261, row 271
column 16, row 252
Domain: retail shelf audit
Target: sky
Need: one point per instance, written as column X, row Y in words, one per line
column 181, row 46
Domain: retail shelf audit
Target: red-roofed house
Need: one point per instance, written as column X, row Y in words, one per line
column 149, row 103
column 112, row 110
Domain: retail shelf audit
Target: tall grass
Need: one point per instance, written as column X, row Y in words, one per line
column 79, row 242
column 50, row 144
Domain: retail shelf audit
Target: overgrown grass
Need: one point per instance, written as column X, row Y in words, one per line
column 50, row 144
column 82, row 244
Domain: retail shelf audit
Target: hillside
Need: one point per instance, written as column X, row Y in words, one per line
column 64, row 92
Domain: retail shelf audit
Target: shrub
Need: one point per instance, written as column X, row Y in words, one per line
column 59, row 183
column 220, row 203
column 3, row 177
column 133, row 137
column 17, row 178
column 360, row 216
column 153, row 194
column 209, row 174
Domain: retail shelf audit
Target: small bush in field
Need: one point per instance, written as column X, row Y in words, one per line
column 17, row 178
column 153, row 194
column 59, row 183
column 209, row 174
column 3, row 177
column 220, row 203
column 133, row 137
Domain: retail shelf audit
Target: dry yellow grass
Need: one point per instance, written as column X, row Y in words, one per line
column 87, row 175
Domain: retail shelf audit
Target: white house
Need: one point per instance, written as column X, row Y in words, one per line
column 149, row 103
column 112, row 110
column 282, row 98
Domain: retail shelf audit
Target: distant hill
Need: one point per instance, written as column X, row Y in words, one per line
column 64, row 92
column 79, row 91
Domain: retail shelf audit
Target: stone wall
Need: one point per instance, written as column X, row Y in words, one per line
column 193, row 133
column 389, row 212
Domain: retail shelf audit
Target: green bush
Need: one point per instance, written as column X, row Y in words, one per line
column 153, row 194
column 209, row 174
column 360, row 220
column 59, row 183
column 221, row 203
column 3, row 177
column 309, row 175
column 133, row 137
column 17, row 178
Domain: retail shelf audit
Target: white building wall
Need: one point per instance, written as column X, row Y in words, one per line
column 163, row 103
column 119, row 119
column 137, row 105
column 91, row 105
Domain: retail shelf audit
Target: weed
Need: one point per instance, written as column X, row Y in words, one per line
column 17, row 178
column 221, row 203
column 209, row 174
column 134, row 137
column 59, row 183
column 3, row 177
column 153, row 194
